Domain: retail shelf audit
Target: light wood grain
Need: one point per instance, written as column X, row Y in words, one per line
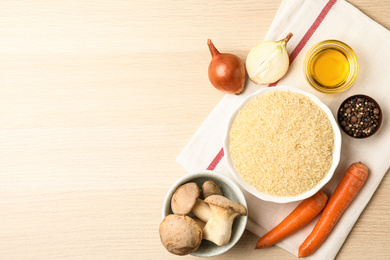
column 97, row 98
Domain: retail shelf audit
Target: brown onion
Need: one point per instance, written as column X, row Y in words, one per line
column 226, row 71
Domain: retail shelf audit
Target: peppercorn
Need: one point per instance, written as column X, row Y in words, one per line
column 359, row 117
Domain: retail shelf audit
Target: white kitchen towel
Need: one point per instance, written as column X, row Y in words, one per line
column 312, row 21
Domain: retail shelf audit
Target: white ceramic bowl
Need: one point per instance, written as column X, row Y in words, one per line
column 230, row 190
column 309, row 193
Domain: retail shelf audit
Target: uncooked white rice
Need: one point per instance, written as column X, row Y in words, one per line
column 282, row 143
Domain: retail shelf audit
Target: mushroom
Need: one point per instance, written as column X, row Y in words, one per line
column 200, row 222
column 210, row 188
column 186, row 199
column 180, row 235
column 223, row 211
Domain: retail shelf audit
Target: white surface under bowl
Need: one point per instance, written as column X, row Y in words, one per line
column 309, row 193
column 230, row 190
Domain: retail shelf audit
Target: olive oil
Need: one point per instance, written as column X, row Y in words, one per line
column 330, row 68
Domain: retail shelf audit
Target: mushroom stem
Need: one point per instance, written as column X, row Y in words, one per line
column 223, row 211
column 200, row 223
column 201, row 210
column 219, row 227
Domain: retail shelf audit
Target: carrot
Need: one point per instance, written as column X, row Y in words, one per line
column 346, row 190
column 298, row 218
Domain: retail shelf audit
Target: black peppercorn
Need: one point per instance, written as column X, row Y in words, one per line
column 358, row 116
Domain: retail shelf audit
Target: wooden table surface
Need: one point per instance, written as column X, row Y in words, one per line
column 97, row 98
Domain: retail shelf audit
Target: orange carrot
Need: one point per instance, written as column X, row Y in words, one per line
column 350, row 184
column 298, row 218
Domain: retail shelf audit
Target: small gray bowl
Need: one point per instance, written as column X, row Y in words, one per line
column 230, row 190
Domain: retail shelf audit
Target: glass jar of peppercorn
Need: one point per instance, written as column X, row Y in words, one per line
column 359, row 116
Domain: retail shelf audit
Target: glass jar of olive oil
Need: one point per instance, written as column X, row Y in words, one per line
column 331, row 66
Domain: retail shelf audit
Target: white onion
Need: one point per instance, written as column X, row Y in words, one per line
column 268, row 61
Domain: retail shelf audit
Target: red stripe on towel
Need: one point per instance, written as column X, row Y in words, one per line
column 292, row 56
column 309, row 33
column 216, row 160
column 311, row 30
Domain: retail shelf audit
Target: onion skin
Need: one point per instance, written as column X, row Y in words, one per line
column 226, row 71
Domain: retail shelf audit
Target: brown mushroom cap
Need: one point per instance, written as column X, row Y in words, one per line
column 184, row 198
column 210, row 188
column 180, row 235
column 225, row 203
